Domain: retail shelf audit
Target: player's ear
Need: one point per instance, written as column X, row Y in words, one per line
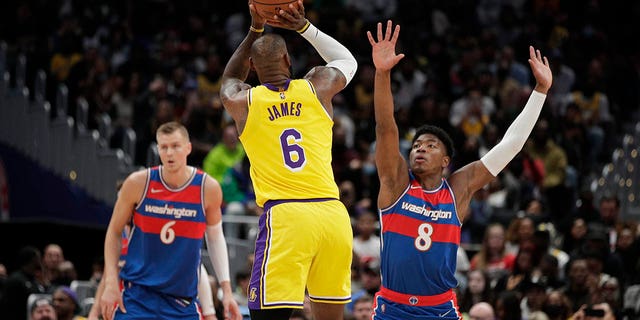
column 287, row 60
column 445, row 161
column 189, row 147
column 251, row 65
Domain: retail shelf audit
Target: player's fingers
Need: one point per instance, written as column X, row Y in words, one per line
column 396, row 34
column 276, row 23
column 546, row 61
column 371, row 41
column 285, row 15
column 539, row 55
column 121, row 305
column 532, row 53
column 387, row 35
column 105, row 312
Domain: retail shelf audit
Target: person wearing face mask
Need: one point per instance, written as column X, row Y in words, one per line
column 557, row 306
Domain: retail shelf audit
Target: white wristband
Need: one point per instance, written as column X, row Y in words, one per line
column 517, row 134
column 217, row 248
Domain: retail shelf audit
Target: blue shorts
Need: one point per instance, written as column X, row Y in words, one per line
column 386, row 309
column 145, row 303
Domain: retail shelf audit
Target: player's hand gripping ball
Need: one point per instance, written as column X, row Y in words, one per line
column 269, row 8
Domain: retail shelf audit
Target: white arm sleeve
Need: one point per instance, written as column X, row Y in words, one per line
column 514, row 139
column 217, row 248
column 204, row 293
column 333, row 52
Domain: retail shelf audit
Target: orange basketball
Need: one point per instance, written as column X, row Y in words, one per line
column 269, row 8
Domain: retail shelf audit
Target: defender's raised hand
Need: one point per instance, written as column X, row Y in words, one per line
column 541, row 70
column 384, row 50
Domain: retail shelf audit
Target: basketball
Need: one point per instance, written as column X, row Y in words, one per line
column 269, row 8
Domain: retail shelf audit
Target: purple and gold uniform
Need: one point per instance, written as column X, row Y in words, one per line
column 420, row 236
column 305, row 238
column 165, row 221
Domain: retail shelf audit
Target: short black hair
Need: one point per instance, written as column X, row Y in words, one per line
column 27, row 254
column 439, row 133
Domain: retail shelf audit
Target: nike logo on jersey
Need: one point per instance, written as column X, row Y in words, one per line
column 156, row 190
column 444, row 314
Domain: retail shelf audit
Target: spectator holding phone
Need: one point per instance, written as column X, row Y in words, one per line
column 597, row 311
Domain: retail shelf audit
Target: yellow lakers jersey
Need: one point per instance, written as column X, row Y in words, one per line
column 287, row 138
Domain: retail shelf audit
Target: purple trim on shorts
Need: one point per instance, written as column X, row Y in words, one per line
column 255, row 284
column 270, row 203
column 256, row 294
column 317, row 299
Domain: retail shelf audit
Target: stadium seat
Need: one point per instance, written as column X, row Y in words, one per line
column 84, row 289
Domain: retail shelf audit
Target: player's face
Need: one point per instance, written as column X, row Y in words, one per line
column 428, row 154
column 173, row 149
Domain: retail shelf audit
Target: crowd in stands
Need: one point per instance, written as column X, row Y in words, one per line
column 546, row 244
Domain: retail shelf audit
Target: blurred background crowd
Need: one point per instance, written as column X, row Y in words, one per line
column 539, row 242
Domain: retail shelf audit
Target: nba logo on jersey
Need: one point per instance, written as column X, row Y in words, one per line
column 282, row 96
column 413, row 300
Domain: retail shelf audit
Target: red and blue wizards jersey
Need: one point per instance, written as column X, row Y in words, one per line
column 420, row 235
column 168, row 229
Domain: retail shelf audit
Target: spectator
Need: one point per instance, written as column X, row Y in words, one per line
column 492, row 256
column 21, row 283
column 524, row 269
column 481, row 311
column 520, row 230
column 369, row 281
column 593, row 102
column 596, row 249
column 533, row 300
column 609, row 216
column 478, row 290
column 241, row 292
column 366, row 244
column 224, row 155
column 508, row 306
column 472, row 112
column 576, row 236
column 542, row 239
column 227, row 163
column 42, row 309
column 577, row 288
column 66, row 304
column 554, row 158
column 557, row 306
column 550, row 273
column 628, row 250
column 583, row 314
column 363, row 307
column 52, row 258
column 66, row 274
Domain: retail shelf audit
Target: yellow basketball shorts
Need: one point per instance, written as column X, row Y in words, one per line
column 302, row 244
